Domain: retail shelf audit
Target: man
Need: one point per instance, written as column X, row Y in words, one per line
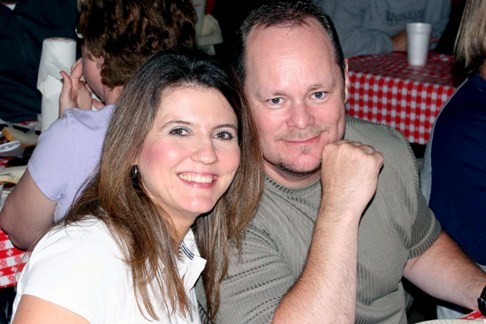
column 334, row 252
column 378, row 26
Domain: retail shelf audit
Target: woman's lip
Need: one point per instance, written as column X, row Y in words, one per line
column 197, row 178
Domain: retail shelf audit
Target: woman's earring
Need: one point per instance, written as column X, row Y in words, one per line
column 135, row 177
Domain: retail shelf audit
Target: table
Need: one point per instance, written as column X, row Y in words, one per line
column 12, row 261
column 385, row 89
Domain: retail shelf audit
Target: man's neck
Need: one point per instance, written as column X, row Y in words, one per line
column 290, row 180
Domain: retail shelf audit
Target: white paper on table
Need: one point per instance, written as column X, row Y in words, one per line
column 57, row 54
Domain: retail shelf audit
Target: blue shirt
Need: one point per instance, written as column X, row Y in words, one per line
column 457, row 164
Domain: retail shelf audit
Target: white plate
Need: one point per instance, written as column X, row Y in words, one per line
column 9, row 146
column 453, row 321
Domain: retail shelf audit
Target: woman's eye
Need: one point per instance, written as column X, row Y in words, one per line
column 225, row 135
column 179, row 132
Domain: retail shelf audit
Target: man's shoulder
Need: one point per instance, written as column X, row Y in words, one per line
column 374, row 134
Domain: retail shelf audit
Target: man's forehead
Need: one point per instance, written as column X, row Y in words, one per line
column 280, row 43
column 286, row 27
column 264, row 39
column 268, row 44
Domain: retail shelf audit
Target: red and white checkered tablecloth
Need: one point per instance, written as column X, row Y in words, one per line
column 12, row 261
column 385, row 89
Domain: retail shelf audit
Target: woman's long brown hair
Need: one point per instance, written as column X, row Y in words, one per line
column 139, row 226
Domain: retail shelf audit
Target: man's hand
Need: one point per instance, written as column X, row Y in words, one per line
column 326, row 289
column 349, row 176
column 399, row 41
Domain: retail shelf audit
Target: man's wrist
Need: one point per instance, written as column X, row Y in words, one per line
column 482, row 302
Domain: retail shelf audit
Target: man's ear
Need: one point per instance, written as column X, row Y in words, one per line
column 346, row 81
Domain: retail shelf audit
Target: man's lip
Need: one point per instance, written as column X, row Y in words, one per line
column 303, row 141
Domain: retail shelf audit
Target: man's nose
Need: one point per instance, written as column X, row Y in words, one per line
column 300, row 115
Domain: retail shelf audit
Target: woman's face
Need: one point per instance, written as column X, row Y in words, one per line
column 191, row 154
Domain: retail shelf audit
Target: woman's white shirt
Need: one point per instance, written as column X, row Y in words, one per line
column 80, row 267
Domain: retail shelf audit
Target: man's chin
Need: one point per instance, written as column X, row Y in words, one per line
column 298, row 171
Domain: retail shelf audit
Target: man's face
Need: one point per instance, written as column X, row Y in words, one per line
column 296, row 93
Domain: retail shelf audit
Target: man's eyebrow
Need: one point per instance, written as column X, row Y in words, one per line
column 331, row 83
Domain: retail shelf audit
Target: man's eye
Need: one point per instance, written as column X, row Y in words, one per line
column 276, row 101
column 179, row 132
column 319, row 94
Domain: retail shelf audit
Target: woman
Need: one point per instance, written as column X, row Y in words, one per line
column 453, row 177
column 162, row 170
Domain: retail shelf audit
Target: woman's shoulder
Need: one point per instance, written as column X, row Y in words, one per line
column 90, row 119
column 74, row 127
column 88, row 238
column 79, row 267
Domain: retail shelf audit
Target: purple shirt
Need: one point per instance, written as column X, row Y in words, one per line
column 67, row 154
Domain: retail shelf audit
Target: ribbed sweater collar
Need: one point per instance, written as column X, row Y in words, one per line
column 275, row 187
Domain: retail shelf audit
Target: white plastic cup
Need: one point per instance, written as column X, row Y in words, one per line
column 418, row 42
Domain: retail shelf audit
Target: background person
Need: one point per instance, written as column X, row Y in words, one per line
column 118, row 36
column 160, row 169
column 453, row 177
column 379, row 26
column 24, row 24
column 324, row 247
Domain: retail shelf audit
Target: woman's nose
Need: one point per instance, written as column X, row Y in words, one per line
column 204, row 152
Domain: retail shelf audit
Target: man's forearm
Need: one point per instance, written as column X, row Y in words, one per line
column 326, row 289
column 445, row 272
